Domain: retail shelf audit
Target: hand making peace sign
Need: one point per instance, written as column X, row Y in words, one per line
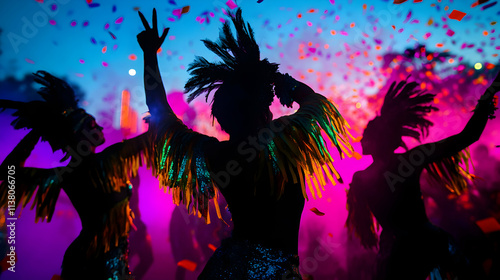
column 149, row 39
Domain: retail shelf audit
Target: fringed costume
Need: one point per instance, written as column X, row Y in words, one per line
column 96, row 184
column 388, row 194
column 263, row 169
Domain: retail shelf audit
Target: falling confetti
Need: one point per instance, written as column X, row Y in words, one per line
column 457, row 15
column 29, row 61
column 94, row 5
column 450, row 32
column 231, row 4
column 488, row 6
column 187, row 264
column 119, row 20
column 112, row 35
column 317, row 212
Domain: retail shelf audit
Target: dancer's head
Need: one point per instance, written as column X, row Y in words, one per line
column 243, row 82
column 403, row 114
column 58, row 119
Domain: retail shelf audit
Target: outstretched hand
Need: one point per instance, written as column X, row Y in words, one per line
column 149, row 39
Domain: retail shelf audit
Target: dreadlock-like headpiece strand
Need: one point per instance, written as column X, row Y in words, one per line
column 405, row 109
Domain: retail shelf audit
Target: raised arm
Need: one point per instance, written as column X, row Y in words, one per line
column 156, row 98
column 130, row 147
column 472, row 131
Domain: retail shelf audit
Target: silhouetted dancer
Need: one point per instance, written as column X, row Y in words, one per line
column 261, row 170
column 96, row 183
column 410, row 246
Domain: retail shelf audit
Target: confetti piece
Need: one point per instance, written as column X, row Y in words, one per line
column 427, row 35
column 79, row 75
column 89, row 1
column 185, row 9
column 136, row 9
column 94, row 5
column 29, row 61
column 317, row 212
column 104, row 49
column 231, row 4
column 344, row 33
column 399, row 1
column 488, row 6
column 356, row 155
column 417, row 1
column 106, row 26
column 439, row 45
column 119, row 20
column 450, row 32
column 93, row 40
column 53, row 7
column 85, row 23
column 53, row 22
column 457, row 15
column 105, row 64
column 212, row 247
column 73, row 23
column 488, row 225
column 187, row 264
column 82, row 61
column 132, row 57
column 415, row 21
column 112, row 35
column 408, row 17
column 113, row 9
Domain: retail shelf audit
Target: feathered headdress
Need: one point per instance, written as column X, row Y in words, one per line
column 241, row 64
column 405, row 109
column 57, row 118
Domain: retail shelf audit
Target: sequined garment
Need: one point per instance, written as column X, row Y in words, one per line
column 242, row 259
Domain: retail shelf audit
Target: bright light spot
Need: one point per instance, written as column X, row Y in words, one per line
column 478, row 66
column 131, row 72
column 358, row 105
